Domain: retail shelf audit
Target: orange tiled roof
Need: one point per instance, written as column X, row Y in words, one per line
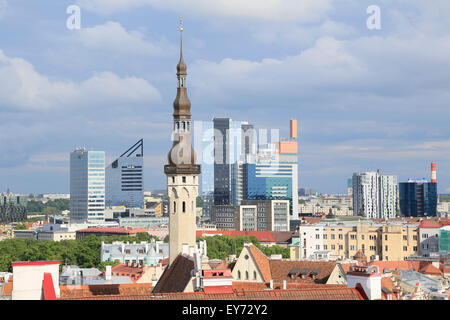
column 7, row 289
column 324, row 293
column 108, row 291
column 262, row 262
column 386, row 282
column 123, row 270
column 280, row 270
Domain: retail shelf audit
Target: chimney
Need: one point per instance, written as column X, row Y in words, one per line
column 108, row 273
column 368, row 277
column 284, row 284
column 185, row 248
column 433, row 172
column 293, row 129
column 271, row 284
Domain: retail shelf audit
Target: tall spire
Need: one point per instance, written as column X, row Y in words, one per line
column 181, row 67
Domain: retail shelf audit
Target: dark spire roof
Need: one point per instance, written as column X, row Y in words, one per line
column 181, row 66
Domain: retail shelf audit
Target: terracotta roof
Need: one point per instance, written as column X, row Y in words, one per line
column 387, row 283
column 424, row 267
column 106, row 230
column 7, row 289
column 175, row 277
column 108, row 291
column 218, row 289
column 325, row 293
column 283, row 236
column 135, row 273
column 164, row 262
column 430, row 224
column 262, row 236
column 428, row 268
column 281, row 269
column 346, row 266
column 262, row 262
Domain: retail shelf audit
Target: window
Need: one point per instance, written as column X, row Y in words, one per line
column 385, row 248
column 254, row 275
column 184, row 206
column 425, row 236
column 385, row 237
column 325, row 247
column 333, row 247
column 239, row 274
column 341, row 247
column 325, row 237
column 317, row 236
column 246, row 275
column 353, row 236
column 183, row 179
column 173, row 179
column 405, row 238
column 414, row 237
column 362, row 237
column 415, row 248
column 352, row 247
column 340, row 236
column 405, row 248
column 318, row 246
column 332, row 236
column 174, row 206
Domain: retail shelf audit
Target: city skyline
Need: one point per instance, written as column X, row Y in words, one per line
column 332, row 74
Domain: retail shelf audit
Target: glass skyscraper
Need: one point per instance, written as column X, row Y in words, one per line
column 87, row 186
column 418, row 198
column 124, row 179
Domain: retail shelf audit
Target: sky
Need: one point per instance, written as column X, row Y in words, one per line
column 365, row 99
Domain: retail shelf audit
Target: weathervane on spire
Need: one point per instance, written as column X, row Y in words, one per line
column 181, row 24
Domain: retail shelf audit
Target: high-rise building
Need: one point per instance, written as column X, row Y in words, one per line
column 227, row 151
column 125, row 178
column 374, row 195
column 274, row 175
column 182, row 172
column 418, row 198
column 87, row 186
column 388, row 196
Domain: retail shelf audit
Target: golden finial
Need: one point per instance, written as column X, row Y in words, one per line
column 181, row 24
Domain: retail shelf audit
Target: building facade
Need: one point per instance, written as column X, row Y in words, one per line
column 125, row 178
column 374, row 195
column 87, row 186
column 13, row 208
column 418, row 198
column 252, row 215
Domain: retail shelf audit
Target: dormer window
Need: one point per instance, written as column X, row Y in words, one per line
column 304, row 273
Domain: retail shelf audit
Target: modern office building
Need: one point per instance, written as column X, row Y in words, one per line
column 87, row 186
column 13, row 208
column 125, row 179
column 227, row 151
column 274, row 175
column 418, row 198
column 252, row 215
column 374, row 195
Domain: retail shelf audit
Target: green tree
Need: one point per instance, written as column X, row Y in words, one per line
column 20, row 227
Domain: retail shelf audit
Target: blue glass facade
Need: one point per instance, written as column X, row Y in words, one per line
column 418, row 199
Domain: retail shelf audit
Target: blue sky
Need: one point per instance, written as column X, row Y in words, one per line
column 365, row 99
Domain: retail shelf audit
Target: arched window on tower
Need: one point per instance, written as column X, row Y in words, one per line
column 246, row 275
column 184, row 206
column 239, row 274
column 174, row 206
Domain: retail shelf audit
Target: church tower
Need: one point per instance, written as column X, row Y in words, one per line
column 182, row 172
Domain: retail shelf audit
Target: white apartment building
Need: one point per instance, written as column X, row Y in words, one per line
column 388, row 196
column 311, row 241
column 374, row 195
column 87, row 186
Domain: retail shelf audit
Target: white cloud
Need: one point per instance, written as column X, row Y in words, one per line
column 112, row 37
column 268, row 10
column 23, row 88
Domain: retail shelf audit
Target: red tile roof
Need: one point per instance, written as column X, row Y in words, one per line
column 7, row 289
column 218, row 289
column 106, row 230
column 262, row 236
column 135, row 273
column 107, row 291
column 262, row 262
column 280, row 270
column 430, row 224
